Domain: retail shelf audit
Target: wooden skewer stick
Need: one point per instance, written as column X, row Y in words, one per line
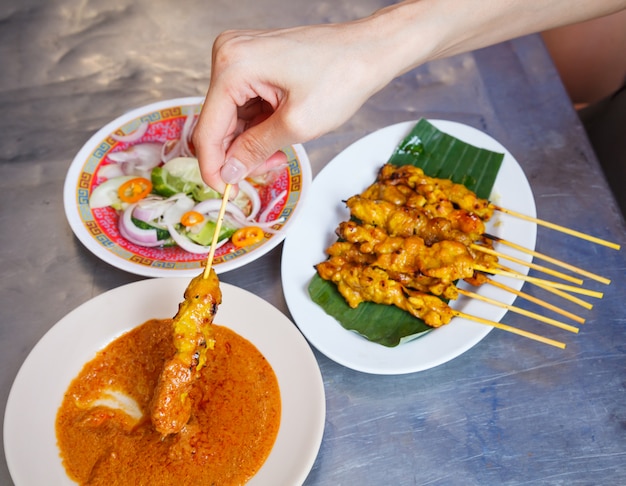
column 537, row 301
column 556, row 285
column 519, row 310
column 566, row 296
column 547, row 258
column 560, row 293
column 557, row 227
column 511, row 329
column 534, row 266
column 218, row 227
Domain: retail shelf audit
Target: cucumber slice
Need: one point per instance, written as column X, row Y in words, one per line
column 106, row 193
column 162, row 234
column 204, row 193
column 185, row 168
column 181, row 174
column 205, row 236
column 160, row 183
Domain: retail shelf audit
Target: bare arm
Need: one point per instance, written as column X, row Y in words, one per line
column 270, row 89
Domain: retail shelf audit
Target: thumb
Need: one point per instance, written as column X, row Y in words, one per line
column 252, row 148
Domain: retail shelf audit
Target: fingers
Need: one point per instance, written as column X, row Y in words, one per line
column 276, row 161
column 256, row 149
column 216, row 128
column 250, row 145
column 271, row 89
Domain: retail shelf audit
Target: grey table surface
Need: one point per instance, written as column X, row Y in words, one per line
column 508, row 411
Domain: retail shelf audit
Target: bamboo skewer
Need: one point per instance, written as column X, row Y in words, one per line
column 565, row 295
column 560, row 293
column 511, row 329
column 519, row 310
column 557, row 227
column 218, row 227
column 547, row 258
column 537, row 301
column 534, row 266
column 556, row 285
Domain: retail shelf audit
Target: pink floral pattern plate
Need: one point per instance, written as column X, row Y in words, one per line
column 98, row 229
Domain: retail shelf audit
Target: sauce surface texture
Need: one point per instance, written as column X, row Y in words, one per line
column 234, row 423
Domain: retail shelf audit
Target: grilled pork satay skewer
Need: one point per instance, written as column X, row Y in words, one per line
column 373, row 285
column 403, row 221
column 458, row 194
column 408, row 262
column 193, row 337
column 410, row 276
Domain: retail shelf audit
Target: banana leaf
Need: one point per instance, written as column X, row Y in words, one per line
column 446, row 157
column 439, row 155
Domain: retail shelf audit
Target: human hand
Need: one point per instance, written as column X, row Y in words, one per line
column 270, row 89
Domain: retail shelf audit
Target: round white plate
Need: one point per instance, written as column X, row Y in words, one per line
column 37, row 393
column 98, row 230
column 350, row 173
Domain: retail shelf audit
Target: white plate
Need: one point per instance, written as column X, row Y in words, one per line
column 350, row 173
column 98, row 230
column 37, row 393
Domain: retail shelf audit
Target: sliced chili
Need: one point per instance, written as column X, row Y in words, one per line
column 247, row 236
column 134, row 190
column 191, row 218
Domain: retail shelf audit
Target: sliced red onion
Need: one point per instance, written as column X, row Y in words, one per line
column 133, row 136
column 144, row 156
column 174, row 212
column 270, row 207
column 170, row 150
column 138, row 236
column 210, row 205
column 189, row 245
column 250, row 191
column 151, row 208
column 227, row 219
column 109, row 171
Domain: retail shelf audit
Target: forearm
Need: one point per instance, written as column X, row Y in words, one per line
column 299, row 83
column 417, row 31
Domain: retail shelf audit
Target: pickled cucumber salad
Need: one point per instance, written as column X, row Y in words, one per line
column 169, row 204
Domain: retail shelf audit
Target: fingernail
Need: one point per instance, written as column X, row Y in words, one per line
column 233, row 171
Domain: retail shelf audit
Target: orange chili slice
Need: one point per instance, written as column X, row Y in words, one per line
column 247, row 236
column 191, row 218
column 134, row 190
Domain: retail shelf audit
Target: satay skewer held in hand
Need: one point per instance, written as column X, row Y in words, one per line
column 193, row 337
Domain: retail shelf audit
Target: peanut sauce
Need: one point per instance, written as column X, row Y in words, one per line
column 235, row 415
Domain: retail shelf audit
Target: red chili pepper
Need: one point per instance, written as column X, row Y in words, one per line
column 134, row 190
column 247, row 236
column 191, row 218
